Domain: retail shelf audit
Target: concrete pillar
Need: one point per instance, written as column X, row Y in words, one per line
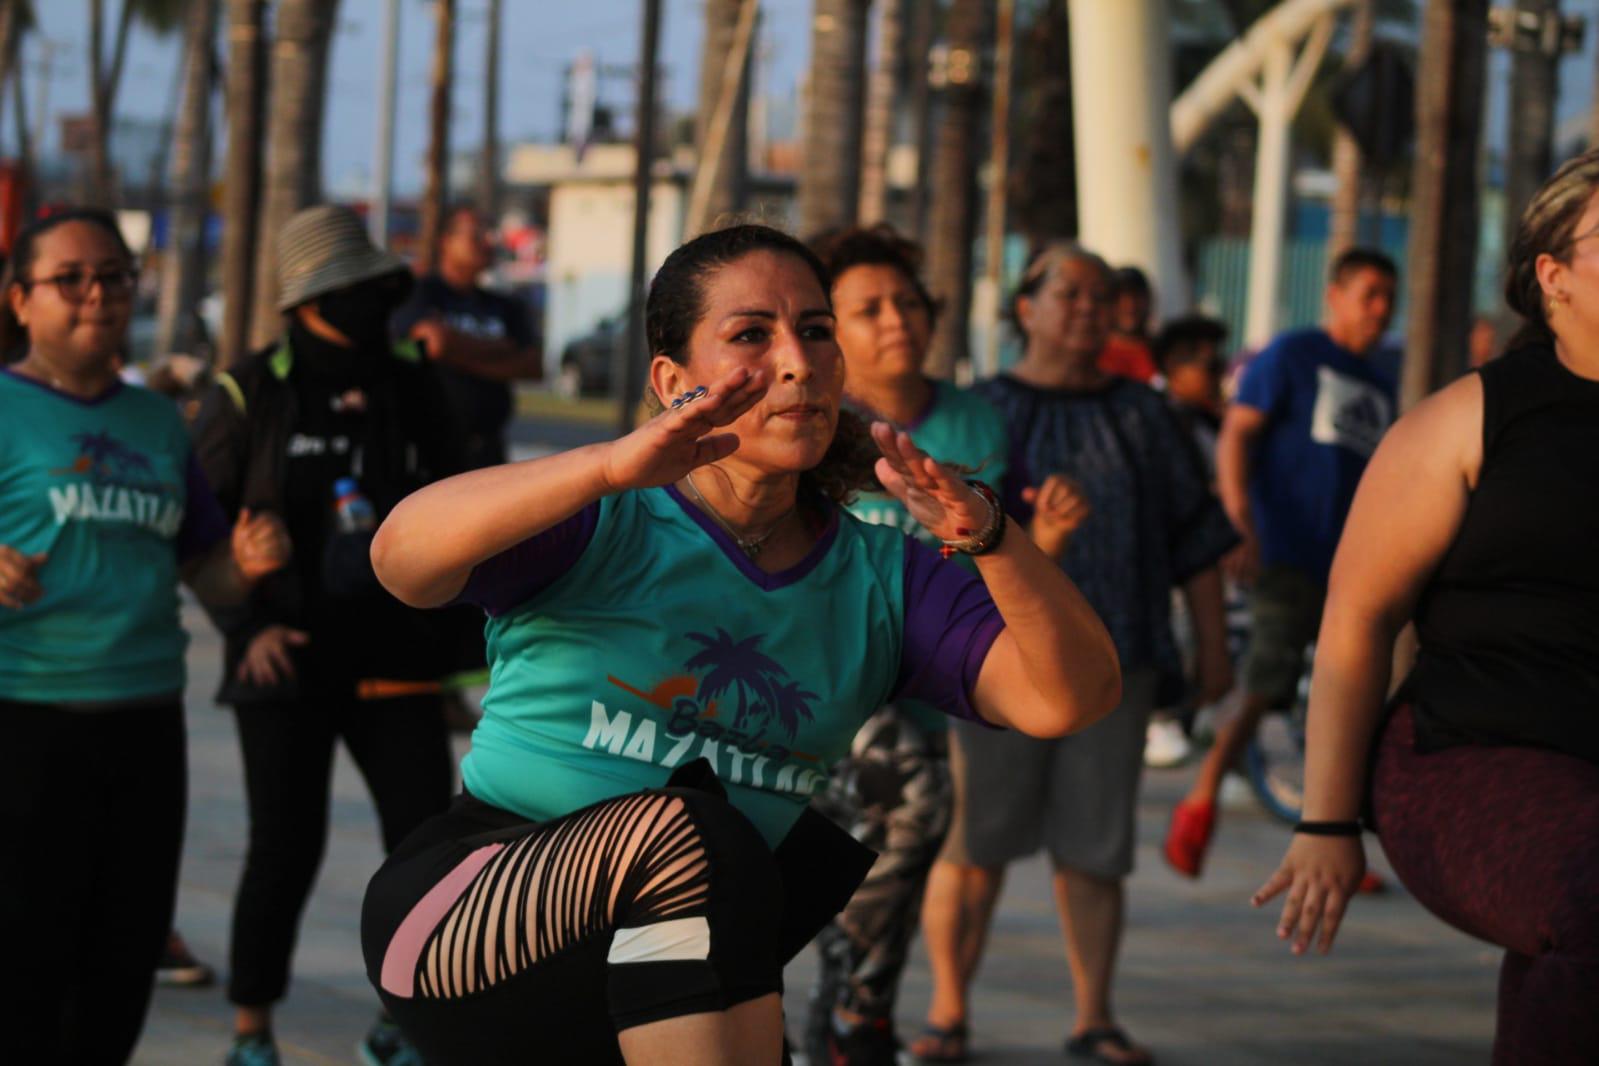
column 1126, row 169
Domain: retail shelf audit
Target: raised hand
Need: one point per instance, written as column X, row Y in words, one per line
column 19, row 577
column 1059, row 510
column 940, row 500
column 260, row 544
column 678, row 441
column 1320, row 874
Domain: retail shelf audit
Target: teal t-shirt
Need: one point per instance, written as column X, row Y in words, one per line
column 961, row 428
column 660, row 643
column 103, row 488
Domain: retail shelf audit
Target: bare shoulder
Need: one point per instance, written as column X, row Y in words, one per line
column 1445, row 426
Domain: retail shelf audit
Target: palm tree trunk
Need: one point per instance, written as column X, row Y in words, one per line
column 830, row 183
column 105, row 74
column 246, row 102
column 10, row 39
column 438, row 157
column 293, row 177
column 921, row 106
column 1348, row 168
column 954, row 191
column 488, row 194
column 728, row 183
column 881, row 96
column 1442, row 255
column 183, row 279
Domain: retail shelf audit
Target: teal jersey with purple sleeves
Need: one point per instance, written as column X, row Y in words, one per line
column 641, row 638
column 961, row 428
column 108, row 491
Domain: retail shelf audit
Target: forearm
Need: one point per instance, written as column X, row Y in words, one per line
column 1064, row 657
column 427, row 547
column 1203, row 595
column 1232, row 480
column 1354, row 660
column 497, row 360
column 216, row 579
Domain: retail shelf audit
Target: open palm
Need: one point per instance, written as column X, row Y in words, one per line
column 935, row 496
column 678, row 441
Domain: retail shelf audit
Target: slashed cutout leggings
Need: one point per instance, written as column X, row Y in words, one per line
column 493, row 939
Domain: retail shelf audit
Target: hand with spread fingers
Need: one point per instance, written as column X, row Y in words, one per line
column 939, row 499
column 267, row 661
column 1059, row 510
column 1320, row 875
column 19, row 577
column 682, row 438
column 260, row 545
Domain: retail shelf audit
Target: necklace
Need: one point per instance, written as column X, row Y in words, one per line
column 750, row 546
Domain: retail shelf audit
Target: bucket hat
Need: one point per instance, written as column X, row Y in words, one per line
column 326, row 248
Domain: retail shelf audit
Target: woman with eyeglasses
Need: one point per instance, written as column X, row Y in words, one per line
column 103, row 509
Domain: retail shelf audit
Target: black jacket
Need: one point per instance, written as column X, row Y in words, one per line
column 241, row 440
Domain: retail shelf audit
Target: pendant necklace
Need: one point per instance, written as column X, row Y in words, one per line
column 750, row 546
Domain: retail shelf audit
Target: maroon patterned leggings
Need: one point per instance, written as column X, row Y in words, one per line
column 1503, row 843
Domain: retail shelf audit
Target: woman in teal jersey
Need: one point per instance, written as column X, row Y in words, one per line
column 893, row 790
column 685, row 599
column 102, row 511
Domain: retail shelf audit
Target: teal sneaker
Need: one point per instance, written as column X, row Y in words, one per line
column 256, row 1049
column 385, row 1045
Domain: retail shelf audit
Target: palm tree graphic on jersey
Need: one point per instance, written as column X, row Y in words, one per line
column 104, row 458
column 763, row 688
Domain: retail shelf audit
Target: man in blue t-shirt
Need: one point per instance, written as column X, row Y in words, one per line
column 1309, row 412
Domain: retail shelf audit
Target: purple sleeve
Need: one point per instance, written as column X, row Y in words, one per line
column 950, row 623
column 520, row 572
column 204, row 525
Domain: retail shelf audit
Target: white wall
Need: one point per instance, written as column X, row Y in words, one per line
column 590, row 251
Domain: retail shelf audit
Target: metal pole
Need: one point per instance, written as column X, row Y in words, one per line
column 632, row 359
column 999, row 172
column 383, row 155
column 489, row 178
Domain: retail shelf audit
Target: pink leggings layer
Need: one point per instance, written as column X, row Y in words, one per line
column 1503, row 843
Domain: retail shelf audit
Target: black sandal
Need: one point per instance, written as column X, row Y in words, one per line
column 1090, row 1044
column 943, row 1038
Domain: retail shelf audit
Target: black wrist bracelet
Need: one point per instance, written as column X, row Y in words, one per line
column 1329, row 829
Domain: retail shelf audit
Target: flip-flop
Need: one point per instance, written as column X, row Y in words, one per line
column 1090, row 1044
column 942, row 1037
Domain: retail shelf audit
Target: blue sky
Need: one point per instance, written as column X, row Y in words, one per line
column 541, row 37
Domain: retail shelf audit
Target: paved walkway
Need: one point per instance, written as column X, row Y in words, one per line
column 1203, row 980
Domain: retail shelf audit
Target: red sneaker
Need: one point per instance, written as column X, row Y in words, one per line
column 1371, row 884
column 1192, row 825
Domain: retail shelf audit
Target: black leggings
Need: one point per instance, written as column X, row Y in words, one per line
column 91, row 813
column 403, row 752
column 493, row 940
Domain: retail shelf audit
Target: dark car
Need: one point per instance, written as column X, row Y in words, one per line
column 586, row 360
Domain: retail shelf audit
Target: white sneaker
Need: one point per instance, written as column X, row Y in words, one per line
column 1236, row 794
column 1165, row 745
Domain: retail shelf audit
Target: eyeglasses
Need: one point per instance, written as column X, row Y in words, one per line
column 75, row 285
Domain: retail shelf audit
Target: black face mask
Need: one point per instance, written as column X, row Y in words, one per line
column 362, row 311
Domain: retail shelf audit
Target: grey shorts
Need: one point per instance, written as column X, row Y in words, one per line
column 1284, row 614
column 1076, row 796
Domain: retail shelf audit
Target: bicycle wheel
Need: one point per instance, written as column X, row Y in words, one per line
column 1275, row 763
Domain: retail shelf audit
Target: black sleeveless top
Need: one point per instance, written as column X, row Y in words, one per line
column 1509, row 625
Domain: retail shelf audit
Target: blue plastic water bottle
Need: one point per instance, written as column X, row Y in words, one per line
column 353, row 510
